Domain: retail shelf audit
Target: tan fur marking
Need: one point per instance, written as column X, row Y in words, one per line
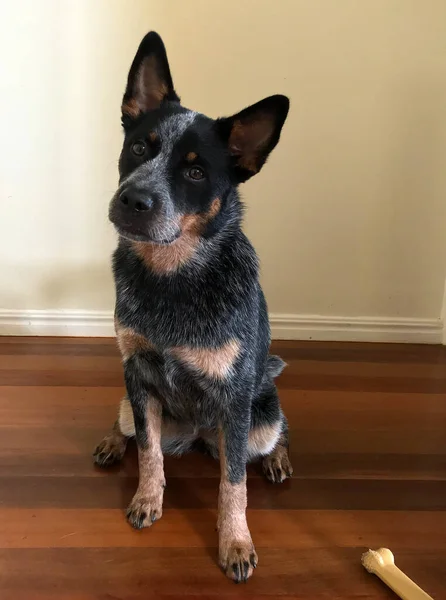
column 194, row 224
column 146, row 505
column 277, row 465
column 164, row 259
column 247, row 139
column 167, row 259
column 191, row 157
column 279, row 453
column 112, row 447
column 149, row 90
column 126, row 420
column 131, row 108
column 262, row 440
column 282, row 441
column 249, row 163
column 130, row 342
column 237, row 147
column 212, row 362
column 214, row 209
column 152, row 136
column 235, row 543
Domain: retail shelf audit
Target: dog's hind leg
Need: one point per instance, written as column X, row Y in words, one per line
column 276, row 465
column 112, row 448
column 176, row 438
column 268, row 436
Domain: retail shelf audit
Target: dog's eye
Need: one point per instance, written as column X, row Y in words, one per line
column 195, row 173
column 138, row 148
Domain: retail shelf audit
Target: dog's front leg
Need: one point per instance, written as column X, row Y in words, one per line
column 237, row 555
column 147, row 503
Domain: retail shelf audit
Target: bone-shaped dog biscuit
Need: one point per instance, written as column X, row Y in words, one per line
column 381, row 563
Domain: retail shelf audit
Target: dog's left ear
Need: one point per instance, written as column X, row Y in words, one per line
column 253, row 133
column 149, row 82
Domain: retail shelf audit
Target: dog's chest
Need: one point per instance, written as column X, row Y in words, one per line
column 184, row 377
column 184, row 388
column 185, row 310
column 186, row 336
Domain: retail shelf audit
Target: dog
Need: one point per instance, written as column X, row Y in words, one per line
column 191, row 319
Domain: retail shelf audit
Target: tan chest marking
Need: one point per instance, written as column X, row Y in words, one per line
column 130, row 342
column 212, row 362
column 165, row 259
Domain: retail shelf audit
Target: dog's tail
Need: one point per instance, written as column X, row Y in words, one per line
column 275, row 365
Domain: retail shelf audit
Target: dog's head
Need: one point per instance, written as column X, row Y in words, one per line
column 177, row 166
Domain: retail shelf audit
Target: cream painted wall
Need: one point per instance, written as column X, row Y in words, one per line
column 63, row 70
column 349, row 216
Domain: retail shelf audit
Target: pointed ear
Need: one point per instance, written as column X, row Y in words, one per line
column 252, row 133
column 149, row 82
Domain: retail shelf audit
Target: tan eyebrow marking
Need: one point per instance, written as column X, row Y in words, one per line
column 191, row 157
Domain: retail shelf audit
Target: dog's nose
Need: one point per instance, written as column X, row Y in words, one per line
column 136, row 201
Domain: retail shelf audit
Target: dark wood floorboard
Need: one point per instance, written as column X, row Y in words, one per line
column 368, row 445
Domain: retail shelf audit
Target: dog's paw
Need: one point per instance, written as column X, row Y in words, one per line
column 238, row 560
column 110, row 450
column 277, row 466
column 143, row 511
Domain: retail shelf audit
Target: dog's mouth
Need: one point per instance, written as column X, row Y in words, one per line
column 129, row 233
column 149, row 229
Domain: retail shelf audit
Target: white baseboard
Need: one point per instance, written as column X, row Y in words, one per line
column 356, row 329
column 71, row 323
column 443, row 314
column 78, row 323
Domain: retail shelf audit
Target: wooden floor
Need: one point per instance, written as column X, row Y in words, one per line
column 368, row 445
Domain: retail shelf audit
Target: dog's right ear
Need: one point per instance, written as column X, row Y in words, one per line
column 149, row 82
